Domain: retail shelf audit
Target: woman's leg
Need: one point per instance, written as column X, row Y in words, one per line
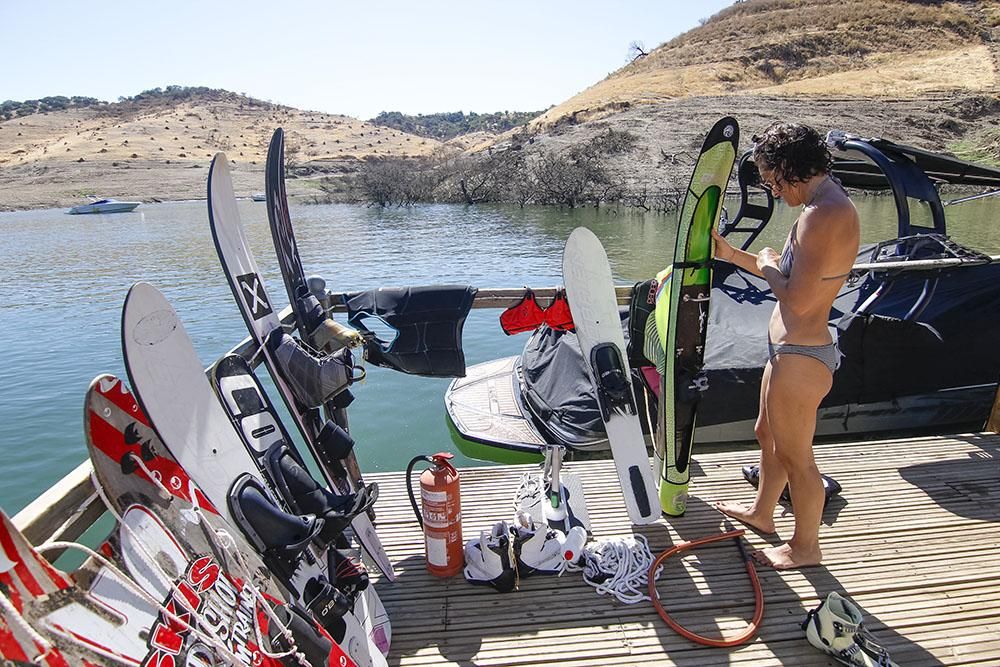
column 796, row 387
column 760, row 514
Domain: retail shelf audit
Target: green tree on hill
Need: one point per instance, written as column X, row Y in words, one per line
column 13, row 109
column 448, row 125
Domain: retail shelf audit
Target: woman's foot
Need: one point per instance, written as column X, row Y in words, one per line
column 761, row 523
column 786, row 557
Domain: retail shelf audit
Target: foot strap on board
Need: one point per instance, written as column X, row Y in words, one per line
column 267, row 527
column 313, row 378
column 348, row 574
column 614, row 386
column 326, row 603
column 334, row 444
column 306, row 496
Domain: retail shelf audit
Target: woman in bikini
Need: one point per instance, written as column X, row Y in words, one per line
column 794, row 165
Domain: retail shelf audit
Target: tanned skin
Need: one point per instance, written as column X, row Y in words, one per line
column 825, row 244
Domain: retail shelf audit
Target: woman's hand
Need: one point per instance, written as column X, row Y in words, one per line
column 767, row 257
column 723, row 250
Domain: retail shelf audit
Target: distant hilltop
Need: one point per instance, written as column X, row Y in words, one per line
column 917, row 72
column 56, row 150
column 849, row 48
column 158, row 145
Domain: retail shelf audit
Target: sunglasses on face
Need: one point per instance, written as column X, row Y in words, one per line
column 770, row 183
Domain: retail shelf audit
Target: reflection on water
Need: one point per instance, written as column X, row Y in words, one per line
column 63, row 280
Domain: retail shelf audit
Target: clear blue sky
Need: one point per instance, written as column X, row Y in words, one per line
column 354, row 58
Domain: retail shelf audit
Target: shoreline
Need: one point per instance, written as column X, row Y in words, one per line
column 309, row 195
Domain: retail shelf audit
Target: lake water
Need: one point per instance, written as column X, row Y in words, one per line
column 63, row 280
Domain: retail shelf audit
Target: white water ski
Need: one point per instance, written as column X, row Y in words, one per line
column 261, row 319
column 172, row 389
column 592, row 300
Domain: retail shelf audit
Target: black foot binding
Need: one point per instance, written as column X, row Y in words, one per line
column 326, row 603
column 268, row 528
column 614, row 389
column 334, row 442
column 831, row 487
column 304, row 495
column 348, row 574
column 313, row 378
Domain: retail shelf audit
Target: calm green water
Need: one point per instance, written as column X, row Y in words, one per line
column 63, row 279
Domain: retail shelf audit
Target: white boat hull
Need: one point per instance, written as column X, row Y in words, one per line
column 105, row 207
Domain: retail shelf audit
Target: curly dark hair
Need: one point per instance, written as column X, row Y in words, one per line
column 794, row 152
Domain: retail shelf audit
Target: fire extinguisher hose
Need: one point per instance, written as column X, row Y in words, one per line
column 758, row 595
column 409, row 484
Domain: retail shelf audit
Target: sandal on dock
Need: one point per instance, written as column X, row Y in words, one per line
column 831, row 487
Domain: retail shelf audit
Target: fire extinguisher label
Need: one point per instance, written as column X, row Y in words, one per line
column 437, row 551
column 435, row 508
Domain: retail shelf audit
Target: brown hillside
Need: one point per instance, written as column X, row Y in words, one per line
column 862, row 48
column 160, row 150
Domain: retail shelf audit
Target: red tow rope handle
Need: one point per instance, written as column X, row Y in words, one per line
column 758, row 595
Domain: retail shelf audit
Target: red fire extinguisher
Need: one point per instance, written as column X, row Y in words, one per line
column 441, row 518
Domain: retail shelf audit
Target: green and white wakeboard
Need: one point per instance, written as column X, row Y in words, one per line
column 681, row 313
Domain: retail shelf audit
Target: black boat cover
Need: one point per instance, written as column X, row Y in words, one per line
column 888, row 350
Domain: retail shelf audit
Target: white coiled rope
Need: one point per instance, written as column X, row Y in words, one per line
column 615, row 567
column 618, row 567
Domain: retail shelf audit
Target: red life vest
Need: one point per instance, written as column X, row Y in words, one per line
column 558, row 315
column 525, row 315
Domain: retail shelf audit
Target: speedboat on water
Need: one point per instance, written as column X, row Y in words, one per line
column 916, row 323
column 104, row 206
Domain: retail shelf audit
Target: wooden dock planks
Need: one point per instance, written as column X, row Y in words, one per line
column 914, row 540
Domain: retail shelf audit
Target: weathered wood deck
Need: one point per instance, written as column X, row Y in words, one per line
column 914, row 540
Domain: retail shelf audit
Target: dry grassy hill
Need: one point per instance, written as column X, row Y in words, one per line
column 854, row 48
column 160, row 149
